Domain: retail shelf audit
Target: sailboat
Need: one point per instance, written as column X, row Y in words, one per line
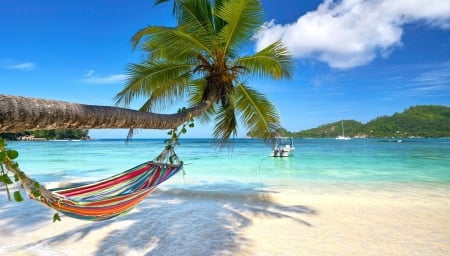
column 342, row 137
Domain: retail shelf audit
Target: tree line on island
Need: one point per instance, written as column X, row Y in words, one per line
column 428, row 121
column 54, row 134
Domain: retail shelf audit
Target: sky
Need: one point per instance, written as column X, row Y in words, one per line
column 354, row 59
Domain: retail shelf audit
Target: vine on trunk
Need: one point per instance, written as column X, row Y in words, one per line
column 7, row 165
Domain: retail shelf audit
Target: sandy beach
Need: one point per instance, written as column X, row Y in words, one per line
column 312, row 220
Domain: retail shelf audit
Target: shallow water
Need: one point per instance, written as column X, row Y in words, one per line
column 318, row 160
column 358, row 197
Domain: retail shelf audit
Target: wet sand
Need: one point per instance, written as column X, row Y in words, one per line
column 310, row 220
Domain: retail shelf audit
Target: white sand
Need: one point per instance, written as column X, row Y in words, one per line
column 308, row 221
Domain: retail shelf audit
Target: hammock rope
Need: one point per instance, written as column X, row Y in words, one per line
column 110, row 197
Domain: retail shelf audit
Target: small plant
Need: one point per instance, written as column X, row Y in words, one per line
column 7, row 163
column 169, row 153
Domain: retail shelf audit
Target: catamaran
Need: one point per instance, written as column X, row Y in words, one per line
column 342, row 137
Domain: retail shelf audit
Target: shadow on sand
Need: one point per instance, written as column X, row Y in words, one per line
column 191, row 221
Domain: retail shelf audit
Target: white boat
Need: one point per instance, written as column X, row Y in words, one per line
column 283, row 147
column 342, row 137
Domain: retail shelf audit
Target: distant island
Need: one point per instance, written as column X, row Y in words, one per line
column 40, row 135
column 426, row 121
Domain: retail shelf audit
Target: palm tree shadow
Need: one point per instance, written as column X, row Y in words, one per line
column 187, row 222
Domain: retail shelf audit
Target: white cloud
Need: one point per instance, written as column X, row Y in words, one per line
column 351, row 33
column 24, row 66
column 435, row 80
column 111, row 79
column 89, row 73
column 15, row 65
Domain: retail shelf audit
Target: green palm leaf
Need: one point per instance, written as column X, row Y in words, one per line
column 257, row 113
column 162, row 82
column 273, row 61
column 173, row 42
column 225, row 123
column 196, row 98
column 242, row 19
column 198, row 60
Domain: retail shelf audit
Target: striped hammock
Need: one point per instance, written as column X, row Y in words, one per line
column 111, row 197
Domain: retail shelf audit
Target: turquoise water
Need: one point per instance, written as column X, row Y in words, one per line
column 331, row 197
column 315, row 160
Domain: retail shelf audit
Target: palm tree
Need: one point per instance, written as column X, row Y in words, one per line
column 199, row 60
column 18, row 114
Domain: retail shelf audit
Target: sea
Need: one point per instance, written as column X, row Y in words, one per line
column 331, row 197
column 245, row 163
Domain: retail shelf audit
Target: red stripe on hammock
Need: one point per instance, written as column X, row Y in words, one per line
column 102, row 211
column 104, row 184
column 155, row 176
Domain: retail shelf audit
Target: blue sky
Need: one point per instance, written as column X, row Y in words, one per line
column 354, row 59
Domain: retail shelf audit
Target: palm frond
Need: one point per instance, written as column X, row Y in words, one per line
column 138, row 36
column 162, row 83
column 161, row 1
column 199, row 60
column 197, row 13
column 196, row 90
column 180, row 41
column 225, row 124
column 242, row 19
column 257, row 113
column 274, row 61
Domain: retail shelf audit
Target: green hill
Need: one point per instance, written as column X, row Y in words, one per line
column 420, row 121
column 58, row 134
column 329, row 130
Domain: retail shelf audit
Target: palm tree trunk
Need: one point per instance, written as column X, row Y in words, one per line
column 24, row 114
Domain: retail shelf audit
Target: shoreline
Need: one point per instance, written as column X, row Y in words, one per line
column 307, row 220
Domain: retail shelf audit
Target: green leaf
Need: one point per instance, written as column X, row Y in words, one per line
column 14, row 165
column 191, row 125
column 36, row 192
column 18, row 197
column 5, row 179
column 2, row 156
column 2, row 142
column 12, row 154
column 56, row 217
column 183, row 130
